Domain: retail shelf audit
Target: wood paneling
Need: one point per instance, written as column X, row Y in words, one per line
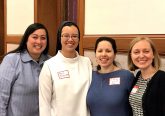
column 46, row 13
column 15, row 39
column 71, row 10
column 2, row 27
column 123, row 41
column 87, row 41
column 51, row 13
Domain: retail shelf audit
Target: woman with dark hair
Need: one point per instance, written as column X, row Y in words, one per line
column 109, row 91
column 19, row 73
column 65, row 23
column 65, row 78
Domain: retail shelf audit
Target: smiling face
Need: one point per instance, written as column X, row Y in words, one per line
column 142, row 55
column 105, row 54
column 69, row 39
column 36, row 43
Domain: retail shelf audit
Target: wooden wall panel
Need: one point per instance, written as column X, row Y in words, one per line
column 2, row 30
column 51, row 13
column 1, row 27
column 47, row 15
column 123, row 41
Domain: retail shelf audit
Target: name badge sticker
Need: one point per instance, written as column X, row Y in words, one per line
column 135, row 89
column 114, row 81
column 63, row 74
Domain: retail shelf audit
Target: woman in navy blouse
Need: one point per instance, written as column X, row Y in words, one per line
column 109, row 91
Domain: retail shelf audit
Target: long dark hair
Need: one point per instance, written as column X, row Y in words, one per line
column 63, row 24
column 31, row 28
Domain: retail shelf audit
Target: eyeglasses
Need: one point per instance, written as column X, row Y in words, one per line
column 67, row 36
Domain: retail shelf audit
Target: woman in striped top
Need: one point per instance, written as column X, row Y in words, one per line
column 147, row 97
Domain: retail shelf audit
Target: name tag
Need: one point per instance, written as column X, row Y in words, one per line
column 63, row 74
column 114, row 81
column 135, row 89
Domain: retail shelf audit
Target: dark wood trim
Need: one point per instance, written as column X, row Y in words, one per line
column 51, row 14
column 1, row 27
column 80, row 20
column 1, row 58
column 60, row 10
column 71, row 10
column 14, row 39
column 35, row 10
column 123, row 42
column 87, row 41
column 5, row 25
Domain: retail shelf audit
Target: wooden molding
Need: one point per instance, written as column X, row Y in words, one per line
column 2, row 30
column 80, row 20
column 123, row 41
column 15, row 39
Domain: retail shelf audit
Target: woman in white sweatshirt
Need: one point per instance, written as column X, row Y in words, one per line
column 65, row 78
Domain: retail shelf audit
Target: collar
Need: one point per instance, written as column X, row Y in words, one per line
column 25, row 56
column 71, row 60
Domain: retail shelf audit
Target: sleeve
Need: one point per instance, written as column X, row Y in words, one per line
column 45, row 91
column 7, row 79
column 89, row 64
column 90, row 70
column 130, row 81
column 162, row 93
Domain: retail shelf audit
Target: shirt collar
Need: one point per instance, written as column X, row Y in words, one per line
column 25, row 56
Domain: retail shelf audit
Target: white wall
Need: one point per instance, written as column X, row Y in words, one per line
column 124, row 17
column 20, row 13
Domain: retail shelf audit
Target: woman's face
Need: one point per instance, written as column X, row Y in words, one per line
column 105, row 54
column 69, row 39
column 37, row 43
column 142, row 54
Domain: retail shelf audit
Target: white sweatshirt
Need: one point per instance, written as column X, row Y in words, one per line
column 63, row 86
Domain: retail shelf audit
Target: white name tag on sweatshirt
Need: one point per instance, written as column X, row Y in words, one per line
column 63, row 74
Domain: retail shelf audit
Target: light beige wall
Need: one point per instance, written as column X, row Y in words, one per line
column 10, row 47
column 20, row 13
column 124, row 17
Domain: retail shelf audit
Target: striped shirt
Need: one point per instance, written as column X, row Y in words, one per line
column 136, row 95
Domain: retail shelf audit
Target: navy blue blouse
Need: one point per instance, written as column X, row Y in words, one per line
column 109, row 93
